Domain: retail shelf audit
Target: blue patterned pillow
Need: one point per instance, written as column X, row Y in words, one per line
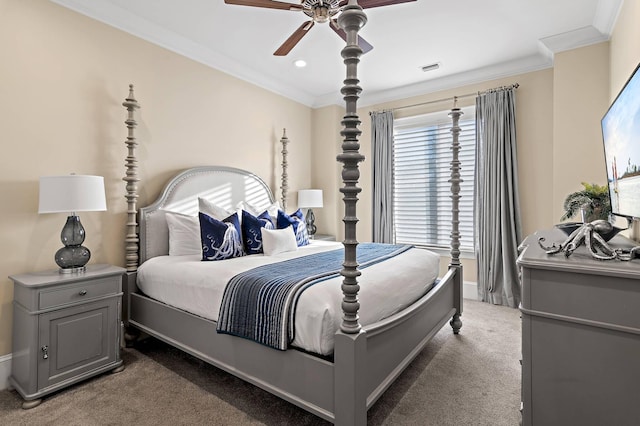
column 297, row 222
column 251, row 231
column 220, row 239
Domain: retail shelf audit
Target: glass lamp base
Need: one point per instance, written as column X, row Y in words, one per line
column 71, row 259
column 310, row 220
column 73, row 256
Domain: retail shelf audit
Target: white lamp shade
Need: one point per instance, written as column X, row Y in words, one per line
column 310, row 198
column 71, row 193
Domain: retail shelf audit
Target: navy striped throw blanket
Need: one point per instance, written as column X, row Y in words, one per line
column 260, row 304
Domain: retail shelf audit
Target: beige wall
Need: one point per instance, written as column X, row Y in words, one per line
column 558, row 115
column 580, row 99
column 625, row 47
column 325, row 169
column 63, row 78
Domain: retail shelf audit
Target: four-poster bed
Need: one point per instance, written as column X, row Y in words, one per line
column 365, row 359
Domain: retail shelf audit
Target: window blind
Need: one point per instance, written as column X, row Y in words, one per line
column 422, row 160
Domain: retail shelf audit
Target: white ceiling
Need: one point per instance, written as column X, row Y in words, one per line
column 472, row 40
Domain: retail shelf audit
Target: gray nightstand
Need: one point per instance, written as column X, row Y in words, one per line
column 66, row 328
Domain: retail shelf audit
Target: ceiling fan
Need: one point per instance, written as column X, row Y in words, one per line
column 319, row 11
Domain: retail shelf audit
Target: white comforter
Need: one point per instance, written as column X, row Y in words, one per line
column 192, row 285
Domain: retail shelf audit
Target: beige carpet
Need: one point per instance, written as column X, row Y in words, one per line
column 469, row 379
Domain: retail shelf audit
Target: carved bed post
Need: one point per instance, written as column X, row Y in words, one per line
column 285, row 184
column 131, row 178
column 351, row 20
column 350, row 345
column 455, row 181
column 131, row 238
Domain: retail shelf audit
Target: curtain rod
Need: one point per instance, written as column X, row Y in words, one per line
column 453, row 98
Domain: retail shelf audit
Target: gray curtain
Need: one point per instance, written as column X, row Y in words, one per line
column 497, row 213
column 382, row 149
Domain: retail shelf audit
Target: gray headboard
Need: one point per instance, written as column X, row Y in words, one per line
column 224, row 186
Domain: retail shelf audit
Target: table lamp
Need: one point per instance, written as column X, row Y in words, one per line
column 71, row 194
column 310, row 199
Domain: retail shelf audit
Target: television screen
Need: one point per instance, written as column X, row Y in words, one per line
column 621, row 136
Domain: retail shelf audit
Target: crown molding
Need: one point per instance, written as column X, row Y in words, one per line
column 106, row 12
column 114, row 16
column 503, row 70
column 606, row 15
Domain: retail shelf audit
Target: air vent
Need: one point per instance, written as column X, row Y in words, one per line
column 431, row 67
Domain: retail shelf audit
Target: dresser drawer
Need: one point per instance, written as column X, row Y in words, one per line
column 588, row 297
column 78, row 292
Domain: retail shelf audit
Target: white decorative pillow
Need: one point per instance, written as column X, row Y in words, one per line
column 184, row 234
column 272, row 209
column 213, row 210
column 276, row 241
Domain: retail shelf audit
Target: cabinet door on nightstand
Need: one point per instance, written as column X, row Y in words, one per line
column 76, row 340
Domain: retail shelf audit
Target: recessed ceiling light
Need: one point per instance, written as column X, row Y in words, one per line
column 431, row 67
column 300, row 63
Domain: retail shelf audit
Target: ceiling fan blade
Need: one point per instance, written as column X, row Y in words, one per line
column 269, row 4
column 364, row 45
column 294, row 39
column 368, row 4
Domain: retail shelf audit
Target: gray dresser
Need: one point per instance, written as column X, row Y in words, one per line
column 66, row 328
column 580, row 336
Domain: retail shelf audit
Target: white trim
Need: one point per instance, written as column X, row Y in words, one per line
column 479, row 75
column 115, row 16
column 581, row 37
column 5, row 370
column 470, row 290
column 606, row 15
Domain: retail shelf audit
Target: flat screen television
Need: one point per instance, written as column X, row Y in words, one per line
column 621, row 136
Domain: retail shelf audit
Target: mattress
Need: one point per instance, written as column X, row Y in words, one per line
column 189, row 284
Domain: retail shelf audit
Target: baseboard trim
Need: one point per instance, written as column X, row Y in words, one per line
column 5, row 371
column 470, row 290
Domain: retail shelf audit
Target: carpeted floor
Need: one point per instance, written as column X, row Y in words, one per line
column 469, row 379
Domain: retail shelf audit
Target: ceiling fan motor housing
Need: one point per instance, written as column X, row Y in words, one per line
column 321, row 10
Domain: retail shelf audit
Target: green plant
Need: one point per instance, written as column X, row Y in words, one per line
column 593, row 200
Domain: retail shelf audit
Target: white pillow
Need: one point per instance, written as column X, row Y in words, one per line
column 213, row 210
column 272, row 209
column 276, row 241
column 184, row 234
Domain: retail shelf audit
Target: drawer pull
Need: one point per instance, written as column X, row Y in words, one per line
column 45, row 353
column 82, row 292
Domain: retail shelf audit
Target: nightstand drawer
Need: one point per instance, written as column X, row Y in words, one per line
column 78, row 292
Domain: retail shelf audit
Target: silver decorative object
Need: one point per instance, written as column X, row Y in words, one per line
column 590, row 234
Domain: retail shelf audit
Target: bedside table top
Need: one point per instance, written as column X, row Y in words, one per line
column 36, row 279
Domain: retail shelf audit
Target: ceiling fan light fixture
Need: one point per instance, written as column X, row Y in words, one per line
column 321, row 14
column 430, row 67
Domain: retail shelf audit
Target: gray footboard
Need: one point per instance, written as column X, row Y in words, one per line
column 364, row 366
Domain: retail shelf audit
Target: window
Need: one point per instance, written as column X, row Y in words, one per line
column 422, row 159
